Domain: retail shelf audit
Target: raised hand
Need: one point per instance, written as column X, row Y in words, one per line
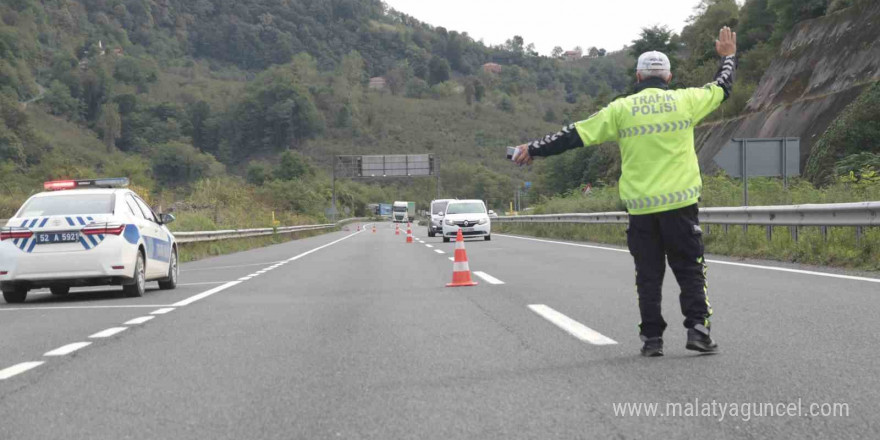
column 725, row 45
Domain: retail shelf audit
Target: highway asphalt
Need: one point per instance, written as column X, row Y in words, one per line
column 354, row 335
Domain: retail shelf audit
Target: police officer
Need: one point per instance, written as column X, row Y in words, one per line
column 660, row 184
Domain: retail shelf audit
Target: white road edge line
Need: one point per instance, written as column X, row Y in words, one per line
column 729, row 263
column 18, row 369
column 206, row 282
column 439, row 251
column 109, row 332
column 141, row 320
column 244, row 278
column 488, row 278
column 571, row 326
column 229, row 267
column 205, row 294
column 208, row 293
column 162, row 311
column 133, row 306
column 67, row 349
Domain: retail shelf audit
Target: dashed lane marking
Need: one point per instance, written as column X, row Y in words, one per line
column 439, row 251
column 428, row 245
column 141, row 320
column 18, row 369
column 571, row 326
column 162, row 311
column 67, row 349
column 722, row 262
column 109, row 332
column 488, row 278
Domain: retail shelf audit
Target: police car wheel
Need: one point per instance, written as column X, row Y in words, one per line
column 15, row 295
column 430, row 234
column 139, row 280
column 59, row 290
column 488, row 238
column 446, row 239
column 173, row 271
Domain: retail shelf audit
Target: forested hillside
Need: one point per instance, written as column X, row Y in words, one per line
column 202, row 101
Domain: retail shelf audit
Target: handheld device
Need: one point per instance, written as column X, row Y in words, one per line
column 510, row 152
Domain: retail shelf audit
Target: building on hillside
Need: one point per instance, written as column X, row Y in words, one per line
column 378, row 83
column 492, row 68
column 573, row 55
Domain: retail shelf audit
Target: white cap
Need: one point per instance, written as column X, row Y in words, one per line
column 653, row 61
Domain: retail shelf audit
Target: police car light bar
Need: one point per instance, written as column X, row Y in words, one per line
column 57, row 185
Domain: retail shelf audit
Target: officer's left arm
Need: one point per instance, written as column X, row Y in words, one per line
column 599, row 128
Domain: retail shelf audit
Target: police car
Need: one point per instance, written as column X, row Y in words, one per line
column 86, row 233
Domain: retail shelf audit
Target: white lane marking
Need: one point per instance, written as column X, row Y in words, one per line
column 205, row 294
column 261, row 272
column 206, row 282
column 452, row 259
column 18, row 369
column 244, row 278
column 729, row 263
column 67, row 349
column 140, row 320
column 109, row 332
column 229, row 267
column 162, row 311
column 439, row 251
column 565, row 243
column 489, row 278
column 571, row 326
column 134, row 306
column 254, row 275
column 217, row 289
column 428, row 245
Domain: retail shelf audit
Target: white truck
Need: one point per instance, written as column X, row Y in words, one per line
column 403, row 212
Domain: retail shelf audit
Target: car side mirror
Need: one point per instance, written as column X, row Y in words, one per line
column 491, row 212
column 167, row 218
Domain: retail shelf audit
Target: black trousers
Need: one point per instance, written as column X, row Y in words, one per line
column 674, row 236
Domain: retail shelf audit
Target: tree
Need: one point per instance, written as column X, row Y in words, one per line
column 602, row 52
column 700, row 34
column 438, row 70
column 176, row 164
column 659, row 38
column 557, row 52
column 469, row 92
column 292, row 165
column 111, row 125
column 594, row 52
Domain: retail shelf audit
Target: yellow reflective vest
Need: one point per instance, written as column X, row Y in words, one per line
column 655, row 130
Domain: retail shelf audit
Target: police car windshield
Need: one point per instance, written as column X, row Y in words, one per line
column 68, row 204
column 466, row 208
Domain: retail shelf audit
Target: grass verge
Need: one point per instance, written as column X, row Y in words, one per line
column 839, row 250
column 199, row 250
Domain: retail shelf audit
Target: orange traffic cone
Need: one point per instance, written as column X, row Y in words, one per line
column 396, row 229
column 409, row 237
column 461, row 273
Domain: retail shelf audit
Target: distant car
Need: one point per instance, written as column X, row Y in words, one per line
column 86, row 233
column 470, row 216
column 438, row 210
column 492, row 214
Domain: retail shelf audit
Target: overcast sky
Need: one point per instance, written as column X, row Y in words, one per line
column 608, row 24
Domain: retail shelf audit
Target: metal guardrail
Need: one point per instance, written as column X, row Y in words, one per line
column 192, row 237
column 858, row 215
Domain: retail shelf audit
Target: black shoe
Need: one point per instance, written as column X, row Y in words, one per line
column 699, row 340
column 653, row 347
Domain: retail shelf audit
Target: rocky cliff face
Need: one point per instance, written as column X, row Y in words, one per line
column 822, row 66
